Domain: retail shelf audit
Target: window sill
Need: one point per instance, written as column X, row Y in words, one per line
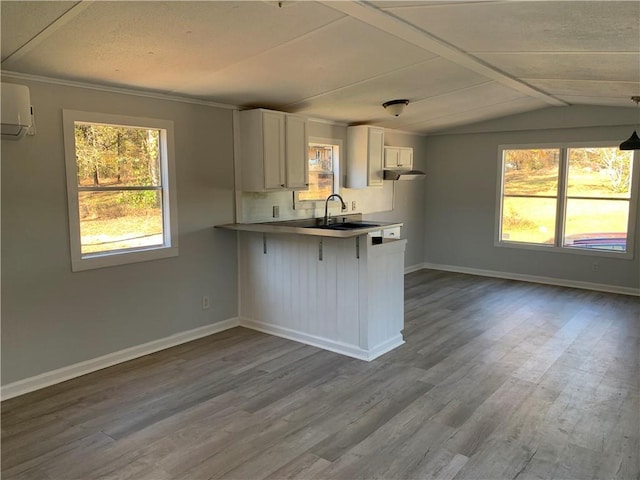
column 104, row 260
column 570, row 250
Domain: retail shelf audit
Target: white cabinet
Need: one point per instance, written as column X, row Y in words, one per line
column 398, row 157
column 365, row 152
column 273, row 151
column 296, row 161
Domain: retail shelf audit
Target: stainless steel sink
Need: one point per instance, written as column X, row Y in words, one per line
column 344, row 226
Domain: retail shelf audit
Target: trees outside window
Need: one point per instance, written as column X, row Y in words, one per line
column 320, row 158
column 567, row 197
column 323, row 155
column 120, row 189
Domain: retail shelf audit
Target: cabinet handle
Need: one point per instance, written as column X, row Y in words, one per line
column 282, row 185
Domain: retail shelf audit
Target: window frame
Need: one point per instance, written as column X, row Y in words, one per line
column 337, row 162
column 169, row 247
column 562, row 197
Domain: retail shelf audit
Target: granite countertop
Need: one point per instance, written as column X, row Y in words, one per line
column 308, row 227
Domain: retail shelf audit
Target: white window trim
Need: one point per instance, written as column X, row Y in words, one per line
column 315, row 204
column 562, row 180
column 169, row 248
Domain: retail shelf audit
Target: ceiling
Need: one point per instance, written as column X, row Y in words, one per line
column 458, row 62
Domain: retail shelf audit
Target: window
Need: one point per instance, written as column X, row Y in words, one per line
column 121, row 189
column 324, row 160
column 570, row 197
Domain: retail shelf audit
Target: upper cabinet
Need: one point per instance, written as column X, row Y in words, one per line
column 398, row 157
column 365, row 153
column 273, row 151
column 296, row 146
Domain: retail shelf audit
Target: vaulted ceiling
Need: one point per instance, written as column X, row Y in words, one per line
column 457, row 62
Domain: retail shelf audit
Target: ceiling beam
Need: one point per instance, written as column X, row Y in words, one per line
column 47, row 31
column 389, row 23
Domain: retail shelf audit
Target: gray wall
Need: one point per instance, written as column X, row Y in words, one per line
column 461, row 196
column 52, row 317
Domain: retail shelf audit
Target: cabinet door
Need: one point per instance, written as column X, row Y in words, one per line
column 297, row 169
column 405, row 158
column 391, row 156
column 274, row 150
column 376, row 156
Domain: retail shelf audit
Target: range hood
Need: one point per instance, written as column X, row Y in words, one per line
column 403, row 174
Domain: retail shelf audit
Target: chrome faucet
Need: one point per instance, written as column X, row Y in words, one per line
column 326, row 206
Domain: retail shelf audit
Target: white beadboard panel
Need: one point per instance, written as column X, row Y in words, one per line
column 347, row 294
column 295, row 288
column 386, row 303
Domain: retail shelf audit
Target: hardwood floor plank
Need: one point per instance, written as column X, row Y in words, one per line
column 441, row 465
column 200, row 426
column 469, row 438
column 497, row 380
column 237, row 450
column 621, row 459
column 275, row 457
column 314, row 369
column 390, row 462
column 306, row 465
column 27, row 461
column 369, row 421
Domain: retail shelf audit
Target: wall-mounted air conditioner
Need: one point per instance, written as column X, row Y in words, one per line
column 16, row 110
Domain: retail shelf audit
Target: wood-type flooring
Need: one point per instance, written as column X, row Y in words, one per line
column 497, row 380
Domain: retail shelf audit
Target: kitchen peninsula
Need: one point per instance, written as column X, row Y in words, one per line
column 327, row 286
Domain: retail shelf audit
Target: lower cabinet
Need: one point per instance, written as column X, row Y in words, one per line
column 343, row 295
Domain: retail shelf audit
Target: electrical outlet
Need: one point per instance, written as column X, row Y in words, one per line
column 353, row 205
column 276, row 211
column 595, row 266
column 205, row 302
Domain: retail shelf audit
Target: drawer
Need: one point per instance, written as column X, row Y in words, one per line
column 391, row 232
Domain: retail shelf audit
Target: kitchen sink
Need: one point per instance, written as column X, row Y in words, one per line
column 345, row 226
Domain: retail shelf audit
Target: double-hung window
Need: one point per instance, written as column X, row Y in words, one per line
column 121, row 189
column 571, row 197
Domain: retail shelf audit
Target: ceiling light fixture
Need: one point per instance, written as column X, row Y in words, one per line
column 395, row 107
column 633, row 142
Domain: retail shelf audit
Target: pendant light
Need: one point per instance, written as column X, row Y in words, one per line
column 633, row 142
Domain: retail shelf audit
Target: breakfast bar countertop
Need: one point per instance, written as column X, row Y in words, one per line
column 312, row 226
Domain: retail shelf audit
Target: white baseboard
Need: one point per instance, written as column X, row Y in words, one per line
column 52, row 377
column 72, row 371
column 560, row 282
column 63, row 374
column 324, row 343
column 385, row 347
column 66, row 373
column 414, row 268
